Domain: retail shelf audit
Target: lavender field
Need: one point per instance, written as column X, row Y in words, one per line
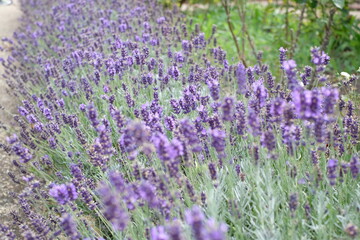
column 133, row 124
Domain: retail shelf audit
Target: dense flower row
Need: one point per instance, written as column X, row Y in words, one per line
column 134, row 125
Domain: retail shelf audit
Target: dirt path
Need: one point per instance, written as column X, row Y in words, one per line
column 9, row 16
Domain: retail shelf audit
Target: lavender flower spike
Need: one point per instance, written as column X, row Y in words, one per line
column 241, row 78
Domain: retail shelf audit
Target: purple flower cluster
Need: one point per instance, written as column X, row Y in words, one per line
column 63, row 193
column 319, row 58
column 204, row 229
column 135, row 106
column 113, row 210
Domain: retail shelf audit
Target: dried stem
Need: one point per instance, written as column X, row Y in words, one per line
column 252, row 46
column 226, row 7
column 298, row 32
column 328, row 30
column 241, row 12
column 242, row 15
column 324, row 43
column 287, row 20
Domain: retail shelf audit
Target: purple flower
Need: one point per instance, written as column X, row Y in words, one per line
column 270, row 80
column 92, row 115
column 268, row 140
column 174, row 72
column 195, row 218
column 12, row 139
column 314, row 157
column 170, row 123
column 175, row 106
column 134, row 136
column 175, row 149
column 174, row 231
column 241, row 78
column 214, row 230
column 214, row 88
column 117, row 116
column 260, row 93
column 289, row 67
column 277, row 109
column 31, row 118
column 228, row 109
column 254, row 122
column 307, row 104
column 319, row 130
column 82, row 107
column 47, row 114
column 354, row 166
column 52, row 143
column 76, row 172
column 63, row 193
column 162, row 146
column 61, row 103
column 117, row 180
column 212, row 170
column 71, row 191
column 147, row 192
column 204, row 229
column 282, row 56
column 113, row 210
column 186, row 45
column 22, row 152
column 330, row 98
column 40, row 103
column 319, row 58
column 240, row 118
column 23, row 111
column 187, row 103
column 293, row 203
column 160, row 20
column 331, row 170
column 218, row 140
column 250, row 74
column 159, row 233
column 169, row 151
column 203, row 113
column 352, row 230
column 188, row 130
column 69, row 227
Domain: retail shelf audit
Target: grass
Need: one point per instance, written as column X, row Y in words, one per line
column 266, row 26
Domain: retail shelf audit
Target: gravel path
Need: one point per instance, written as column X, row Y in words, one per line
column 9, row 16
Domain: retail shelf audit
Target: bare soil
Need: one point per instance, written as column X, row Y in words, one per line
column 9, row 16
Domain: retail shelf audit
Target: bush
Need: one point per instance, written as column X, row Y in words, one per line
column 132, row 126
column 269, row 30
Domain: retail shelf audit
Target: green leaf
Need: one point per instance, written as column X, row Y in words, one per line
column 339, row 3
column 313, row 3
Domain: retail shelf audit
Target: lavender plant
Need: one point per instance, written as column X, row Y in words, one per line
column 134, row 125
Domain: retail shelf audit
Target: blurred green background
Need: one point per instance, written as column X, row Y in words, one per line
column 275, row 24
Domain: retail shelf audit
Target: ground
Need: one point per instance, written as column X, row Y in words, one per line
column 8, row 23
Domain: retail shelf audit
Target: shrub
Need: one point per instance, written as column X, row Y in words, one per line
column 133, row 126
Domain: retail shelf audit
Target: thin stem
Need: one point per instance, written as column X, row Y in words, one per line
column 328, row 30
column 241, row 12
column 228, row 20
column 287, row 20
column 298, row 32
column 252, row 46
